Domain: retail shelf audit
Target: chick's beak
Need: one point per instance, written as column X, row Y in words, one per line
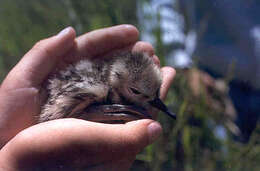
column 157, row 103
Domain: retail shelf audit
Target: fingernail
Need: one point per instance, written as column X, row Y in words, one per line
column 128, row 26
column 154, row 130
column 64, row 32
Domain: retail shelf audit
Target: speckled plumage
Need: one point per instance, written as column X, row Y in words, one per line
column 124, row 78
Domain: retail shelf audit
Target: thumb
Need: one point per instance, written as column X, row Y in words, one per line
column 142, row 132
column 74, row 142
column 36, row 64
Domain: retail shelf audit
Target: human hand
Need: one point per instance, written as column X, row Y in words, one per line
column 20, row 95
column 70, row 144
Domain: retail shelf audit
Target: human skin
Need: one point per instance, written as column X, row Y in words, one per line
column 69, row 143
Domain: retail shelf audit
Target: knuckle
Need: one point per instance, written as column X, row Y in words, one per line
column 109, row 35
column 145, row 47
column 39, row 44
column 42, row 47
column 136, row 144
column 145, row 44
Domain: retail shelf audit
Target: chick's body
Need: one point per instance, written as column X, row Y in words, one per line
column 126, row 78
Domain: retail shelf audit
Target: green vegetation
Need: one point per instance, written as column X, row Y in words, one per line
column 191, row 142
column 202, row 138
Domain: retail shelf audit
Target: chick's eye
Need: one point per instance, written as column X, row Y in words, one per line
column 135, row 91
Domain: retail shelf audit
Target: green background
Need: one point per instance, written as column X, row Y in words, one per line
column 190, row 143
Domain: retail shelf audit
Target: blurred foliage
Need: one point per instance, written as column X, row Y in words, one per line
column 200, row 139
column 24, row 22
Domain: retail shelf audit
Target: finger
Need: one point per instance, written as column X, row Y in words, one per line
column 146, row 48
column 139, row 47
column 40, row 60
column 168, row 74
column 156, row 60
column 143, row 47
column 80, row 142
column 102, row 41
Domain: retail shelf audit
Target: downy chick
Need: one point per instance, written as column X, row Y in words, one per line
column 126, row 84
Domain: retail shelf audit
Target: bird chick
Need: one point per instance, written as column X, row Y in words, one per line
column 114, row 88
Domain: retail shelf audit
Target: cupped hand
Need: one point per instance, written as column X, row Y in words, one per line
column 71, row 144
column 21, row 96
